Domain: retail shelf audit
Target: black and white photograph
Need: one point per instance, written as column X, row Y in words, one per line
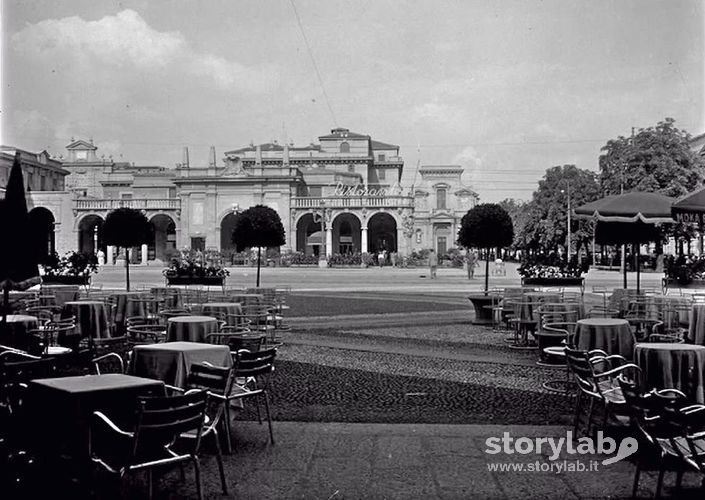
column 362, row 249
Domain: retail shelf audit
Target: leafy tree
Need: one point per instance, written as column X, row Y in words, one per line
column 519, row 211
column 127, row 228
column 258, row 226
column 656, row 159
column 545, row 218
column 486, row 226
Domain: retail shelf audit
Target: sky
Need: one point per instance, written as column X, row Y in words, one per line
column 505, row 89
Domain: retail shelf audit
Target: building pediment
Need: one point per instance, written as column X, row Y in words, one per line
column 81, row 144
column 466, row 192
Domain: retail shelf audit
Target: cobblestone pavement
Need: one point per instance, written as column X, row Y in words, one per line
column 449, row 373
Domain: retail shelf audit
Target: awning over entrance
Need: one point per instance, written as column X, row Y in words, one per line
column 314, row 239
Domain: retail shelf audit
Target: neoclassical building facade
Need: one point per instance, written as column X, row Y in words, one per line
column 342, row 194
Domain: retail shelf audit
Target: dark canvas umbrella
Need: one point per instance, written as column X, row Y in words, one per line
column 18, row 262
column 637, row 214
column 690, row 208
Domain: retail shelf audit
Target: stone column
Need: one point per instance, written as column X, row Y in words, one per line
column 363, row 240
column 329, row 241
column 144, row 254
column 110, row 251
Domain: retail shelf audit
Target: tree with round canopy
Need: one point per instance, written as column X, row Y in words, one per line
column 486, row 226
column 258, row 226
column 127, row 228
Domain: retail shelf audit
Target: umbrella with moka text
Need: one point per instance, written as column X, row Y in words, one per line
column 629, row 218
column 18, row 258
column 690, row 208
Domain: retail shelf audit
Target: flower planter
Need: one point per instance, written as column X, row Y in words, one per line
column 483, row 308
column 196, row 280
column 66, row 280
column 667, row 283
column 560, row 282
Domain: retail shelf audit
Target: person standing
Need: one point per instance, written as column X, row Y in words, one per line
column 471, row 262
column 433, row 263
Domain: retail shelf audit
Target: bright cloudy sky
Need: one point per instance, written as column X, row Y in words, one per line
column 504, row 88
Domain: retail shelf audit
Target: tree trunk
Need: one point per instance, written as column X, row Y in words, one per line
column 487, row 274
column 259, row 259
column 127, row 268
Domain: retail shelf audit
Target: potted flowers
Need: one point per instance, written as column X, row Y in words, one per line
column 73, row 268
column 552, row 272
column 191, row 269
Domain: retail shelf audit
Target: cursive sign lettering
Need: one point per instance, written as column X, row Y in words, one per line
column 357, row 190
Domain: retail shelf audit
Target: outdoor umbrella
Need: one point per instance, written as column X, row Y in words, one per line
column 18, row 260
column 690, row 208
column 639, row 210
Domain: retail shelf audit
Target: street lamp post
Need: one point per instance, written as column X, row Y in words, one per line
column 568, row 245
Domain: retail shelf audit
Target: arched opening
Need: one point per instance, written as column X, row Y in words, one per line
column 227, row 226
column 346, row 234
column 344, row 147
column 90, row 234
column 382, row 233
column 41, row 224
column 309, row 237
column 164, row 237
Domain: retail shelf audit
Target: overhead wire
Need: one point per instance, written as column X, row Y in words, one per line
column 313, row 61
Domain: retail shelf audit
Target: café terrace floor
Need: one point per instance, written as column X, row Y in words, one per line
column 381, row 394
column 404, row 412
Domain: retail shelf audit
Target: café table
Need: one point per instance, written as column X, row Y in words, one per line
column 248, row 299
column 171, row 361
column 696, row 328
column 190, row 328
column 62, row 408
column 91, row 318
column 120, row 299
column 570, row 311
column 16, row 332
column 619, row 300
column 672, row 366
column 62, row 293
column 221, row 310
column 145, row 306
column 612, row 335
column 171, row 296
column 533, row 300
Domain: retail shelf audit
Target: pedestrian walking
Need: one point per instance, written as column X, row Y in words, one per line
column 433, row 263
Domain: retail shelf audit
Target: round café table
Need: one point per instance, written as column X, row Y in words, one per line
column 533, row 300
column 120, row 299
column 696, row 329
column 20, row 324
column 62, row 293
column 221, row 310
column 569, row 311
column 190, row 328
column 15, row 334
column 91, row 318
column 171, row 296
column 247, row 299
column 612, row 335
column 672, row 366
